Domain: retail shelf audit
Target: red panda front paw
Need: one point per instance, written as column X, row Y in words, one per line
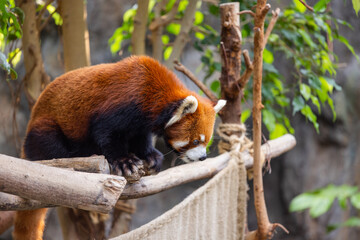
column 153, row 161
column 130, row 167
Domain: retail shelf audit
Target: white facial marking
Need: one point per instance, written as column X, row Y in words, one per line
column 195, row 154
column 179, row 144
column 202, row 137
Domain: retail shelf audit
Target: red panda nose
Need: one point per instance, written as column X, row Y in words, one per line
column 203, row 157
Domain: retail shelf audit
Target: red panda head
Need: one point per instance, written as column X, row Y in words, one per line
column 191, row 127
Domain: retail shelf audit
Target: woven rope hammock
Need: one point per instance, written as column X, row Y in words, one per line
column 217, row 210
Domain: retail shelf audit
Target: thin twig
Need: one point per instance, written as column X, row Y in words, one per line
column 306, row 5
column 178, row 66
column 247, row 12
column 275, row 15
column 47, row 20
column 165, row 19
column 224, row 53
column 42, row 11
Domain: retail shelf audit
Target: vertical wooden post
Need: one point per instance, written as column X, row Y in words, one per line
column 230, row 49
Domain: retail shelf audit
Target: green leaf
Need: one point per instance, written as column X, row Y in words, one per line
column 165, row 39
column 167, row 52
column 129, row 15
column 199, row 35
column 173, row 28
column 345, row 41
column 199, row 18
column 299, row 6
column 298, row 104
column 316, row 102
column 215, row 86
column 305, row 91
column 301, row 202
column 352, row 222
column 182, row 5
column 268, row 56
column 13, row 74
column 308, row 113
column 269, row 120
column 356, row 5
column 320, row 6
column 320, row 206
column 245, row 115
column 279, row 131
column 331, row 105
column 355, row 200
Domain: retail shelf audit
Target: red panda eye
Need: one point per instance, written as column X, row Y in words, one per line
column 196, row 142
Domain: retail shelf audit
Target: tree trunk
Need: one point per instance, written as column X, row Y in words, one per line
column 140, row 22
column 75, row 34
column 35, row 78
column 230, row 49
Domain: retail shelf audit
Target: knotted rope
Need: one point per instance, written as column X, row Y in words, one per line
column 233, row 139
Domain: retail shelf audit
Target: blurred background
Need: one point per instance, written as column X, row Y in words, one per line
column 325, row 154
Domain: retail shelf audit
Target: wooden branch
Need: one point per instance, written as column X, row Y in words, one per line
column 56, row 186
column 200, row 170
column 41, row 27
column 275, row 15
column 244, row 79
column 169, row 178
column 307, row 6
column 181, row 38
column 140, row 22
column 94, row 164
column 265, row 228
column 165, row 19
column 181, row 68
column 247, row 12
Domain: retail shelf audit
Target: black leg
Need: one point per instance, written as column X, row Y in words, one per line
column 141, row 146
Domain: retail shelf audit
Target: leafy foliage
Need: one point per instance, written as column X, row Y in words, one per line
column 302, row 37
column 11, row 18
column 321, row 200
column 299, row 35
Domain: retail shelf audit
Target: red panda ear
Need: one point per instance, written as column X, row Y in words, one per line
column 189, row 105
column 220, row 104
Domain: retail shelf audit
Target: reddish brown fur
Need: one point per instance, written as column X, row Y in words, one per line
column 100, row 89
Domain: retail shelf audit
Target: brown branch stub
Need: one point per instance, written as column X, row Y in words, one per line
column 247, row 12
column 308, row 7
column 275, row 16
column 248, row 71
column 181, row 68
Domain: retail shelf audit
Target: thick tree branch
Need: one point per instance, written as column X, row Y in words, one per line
column 140, row 21
column 275, row 15
column 178, row 66
column 167, row 179
column 56, row 186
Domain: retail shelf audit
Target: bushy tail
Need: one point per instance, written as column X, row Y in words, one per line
column 29, row 224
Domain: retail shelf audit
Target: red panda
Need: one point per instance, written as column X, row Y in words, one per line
column 113, row 110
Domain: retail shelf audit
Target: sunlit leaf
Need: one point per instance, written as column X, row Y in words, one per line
column 301, row 202
column 278, row 131
column 173, row 28
column 305, row 91
column 299, row 6
column 268, row 56
column 356, row 5
column 245, row 115
column 167, row 52
column 355, row 200
column 199, row 17
column 199, row 35
column 269, row 120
